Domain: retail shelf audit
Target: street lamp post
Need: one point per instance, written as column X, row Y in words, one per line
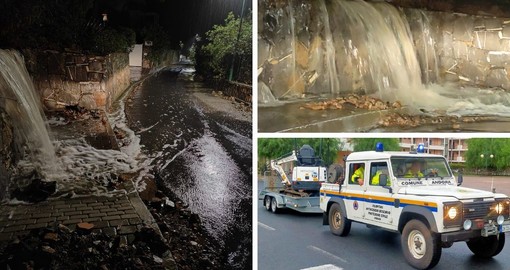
column 491, row 156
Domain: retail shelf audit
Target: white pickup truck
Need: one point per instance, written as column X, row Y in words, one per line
column 416, row 195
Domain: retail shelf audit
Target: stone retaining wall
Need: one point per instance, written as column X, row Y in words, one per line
column 73, row 79
column 7, row 150
column 471, row 50
column 238, row 90
column 496, row 8
column 297, row 58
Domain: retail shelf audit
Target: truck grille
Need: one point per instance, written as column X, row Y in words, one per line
column 476, row 210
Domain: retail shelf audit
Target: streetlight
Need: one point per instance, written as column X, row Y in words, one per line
column 487, row 161
column 487, row 170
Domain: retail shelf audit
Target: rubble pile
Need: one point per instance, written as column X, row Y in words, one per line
column 191, row 246
column 238, row 103
column 73, row 113
column 58, row 247
column 352, row 101
column 406, row 120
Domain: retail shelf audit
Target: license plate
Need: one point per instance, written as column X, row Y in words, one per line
column 505, row 228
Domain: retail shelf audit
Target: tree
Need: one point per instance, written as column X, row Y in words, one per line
column 275, row 148
column 498, row 147
column 222, row 44
column 368, row 144
column 55, row 24
column 112, row 40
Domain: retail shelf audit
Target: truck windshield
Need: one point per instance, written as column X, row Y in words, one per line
column 420, row 167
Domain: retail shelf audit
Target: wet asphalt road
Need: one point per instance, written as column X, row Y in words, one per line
column 296, row 241
column 202, row 155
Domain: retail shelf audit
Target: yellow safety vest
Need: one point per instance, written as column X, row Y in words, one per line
column 375, row 179
column 410, row 174
column 357, row 174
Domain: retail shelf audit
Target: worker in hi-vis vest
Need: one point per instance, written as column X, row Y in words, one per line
column 375, row 179
column 357, row 176
column 414, row 170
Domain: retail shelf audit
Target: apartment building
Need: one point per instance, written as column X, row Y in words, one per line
column 453, row 149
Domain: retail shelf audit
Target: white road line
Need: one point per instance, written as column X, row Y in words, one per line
column 324, row 267
column 269, row 228
column 322, row 251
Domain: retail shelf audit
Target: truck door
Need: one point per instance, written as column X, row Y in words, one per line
column 354, row 201
column 379, row 201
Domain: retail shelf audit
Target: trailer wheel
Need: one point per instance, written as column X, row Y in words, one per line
column 487, row 247
column 274, row 206
column 267, row 203
column 338, row 222
column 421, row 248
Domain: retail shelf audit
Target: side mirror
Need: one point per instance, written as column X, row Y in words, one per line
column 383, row 180
column 459, row 179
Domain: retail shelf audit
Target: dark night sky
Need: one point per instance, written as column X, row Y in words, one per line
column 182, row 18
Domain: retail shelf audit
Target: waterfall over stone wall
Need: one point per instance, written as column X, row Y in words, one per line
column 425, row 59
column 336, row 46
column 22, row 108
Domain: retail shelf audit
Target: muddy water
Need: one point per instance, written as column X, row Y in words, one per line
column 202, row 155
column 290, row 118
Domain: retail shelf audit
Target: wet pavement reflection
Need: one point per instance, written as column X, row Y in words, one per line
column 202, row 155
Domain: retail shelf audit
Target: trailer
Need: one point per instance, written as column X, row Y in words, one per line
column 277, row 197
column 300, row 191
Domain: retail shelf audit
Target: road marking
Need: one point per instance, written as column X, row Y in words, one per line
column 324, row 267
column 269, row 228
column 314, row 248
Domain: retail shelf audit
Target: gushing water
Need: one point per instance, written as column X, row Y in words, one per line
column 338, row 47
column 76, row 166
column 21, row 102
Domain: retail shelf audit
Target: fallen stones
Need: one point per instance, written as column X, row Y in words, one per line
column 406, row 120
column 60, row 248
column 352, row 101
column 48, row 249
column 85, row 226
column 51, row 236
column 190, row 244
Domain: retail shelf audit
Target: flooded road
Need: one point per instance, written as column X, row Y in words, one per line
column 202, row 153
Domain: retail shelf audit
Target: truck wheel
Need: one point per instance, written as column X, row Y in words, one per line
column 422, row 248
column 338, row 222
column 487, row 247
column 274, row 206
column 267, row 203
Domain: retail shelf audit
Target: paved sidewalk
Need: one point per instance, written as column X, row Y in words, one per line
column 114, row 215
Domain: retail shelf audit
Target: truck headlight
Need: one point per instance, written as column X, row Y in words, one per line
column 501, row 207
column 452, row 214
